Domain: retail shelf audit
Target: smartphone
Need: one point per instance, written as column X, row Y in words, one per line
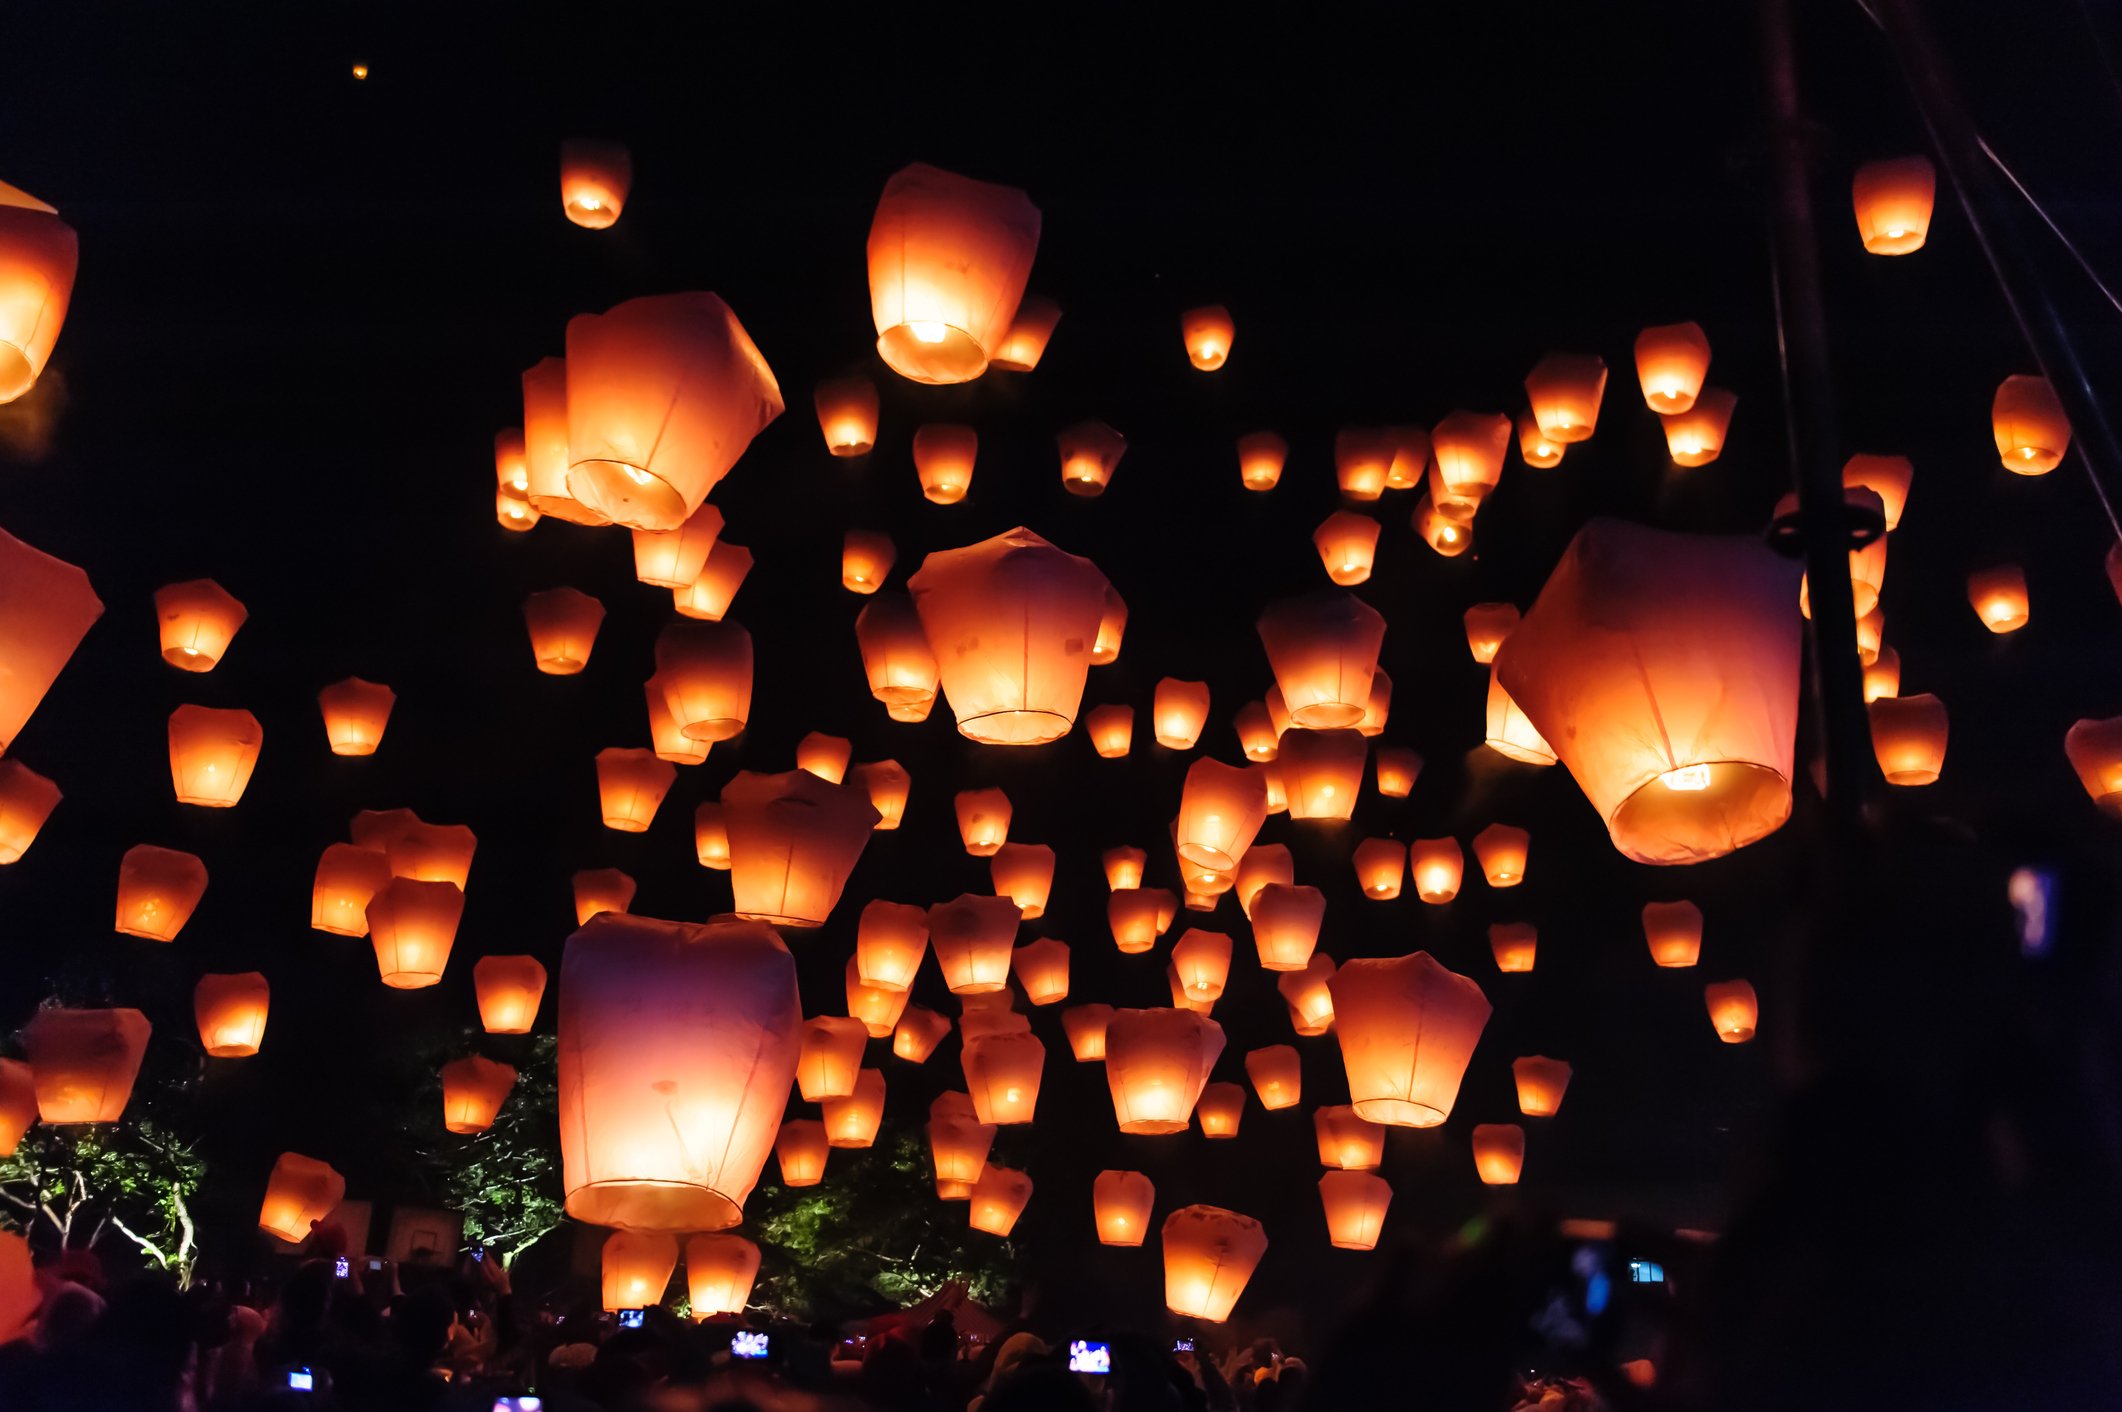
column 479, row 1253
column 301, row 1380
column 342, row 1267
column 519, row 1404
column 629, row 1318
column 374, row 1264
column 1089, row 1355
column 1182, row 1345
column 747, row 1343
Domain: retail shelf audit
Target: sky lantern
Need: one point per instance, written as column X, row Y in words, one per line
column 1908, row 736
column 1348, row 545
column 711, row 836
column 212, row 753
column 1090, row 453
column 563, row 626
column 1309, row 995
column 1348, row 1141
column 26, row 801
column 1167, row 906
column 793, row 839
column 46, row 607
column 2031, row 431
column 958, row 1144
column 708, row 597
column 473, row 1090
column 1888, row 477
column 1867, row 575
column 2094, row 749
column 1042, row 969
column 415, row 848
column 18, row 1104
column 990, row 1012
column 1671, row 362
column 1261, row 456
column 944, row 454
column 1871, row 637
column 1277, row 713
column 1132, row 914
column 878, row 1010
column 198, row 619
column 1208, row 332
column 84, row 1062
column 887, row 784
column 1541, row 1084
column 1502, row 850
column 1670, row 661
column 1156, row 1062
column 1209, row 1254
column 1381, row 864
column 1893, row 201
column 300, row 1192
column 1410, row 461
column 800, row 1149
column 972, row 936
column 1487, row 624
column 663, row 395
column 1674, row 931
column 1355, row 1205
column 510, row 989
column 1179, row 711
column 896, row 657
column 1696, row 437
column 1323, row 649
column 1286, row 921
column 1221, row 808
column 412, row 925
column 998, row 1199
column 1221, row 1109
column 1437, row 865
column 1733, row 1009
column 720, row 1269
column 1123, row 867
column 157, row 890
column 1024, row 873
column 1111, row 730
column 1262, row 864
column 1999, row 597
column 601, row 890
column 1002, row 1073
column 38, row 256
column 545, row 446
column 674, row 558
column 665, row 739
column 918, row 1032
column 866, row 559
column 638, row 1266
column 1469, row 449
column 1564, row 391
column 594, row 179
column 1379, row 707
column 948, row 259
column 1322, row 771
column 983, row 820
column 512, row 507
column 1516, row 945
column 1363, row 456
column 706, row 671
column 1256, row 732
column 1499, row 1153
column 1450, row 536
column 1120, row 1207
column 1397, row 768
column 890, row 941
column 1112, row 628
column 825, row 756
column 1202, row 960
column 355, row 713
column 1025, row 343
column 847, row 414
column 231, row 1010
column 1277, row 1073
column 1085, row 1027
column 1408, row 1027
column 853, row 1121
column 631, row 785
column 678, row 1042
column 1011, row 620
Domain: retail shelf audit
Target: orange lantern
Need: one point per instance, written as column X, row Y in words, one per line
column 38, row 256
column 84, row 1062
column 1348, row 1141
column 706, row 671
column 1277, row 1074
column 719, row 1272
column 212, row 753
column 709, row 596
column 1308, row 995
column 1355, row 1205
column 1516, row 945
column 1733, row 1009
column 1256, row 732
column 958, row 1145
column 1208, row 333
column 887, row 784
column 18, row 1104
column 428, row 852
column 1469, row 448
column 1674, row 931
column 594, row 179
column 1348, row 545
column 1179, row 712
column 2031, row 431
column 1564, row 391
column 1908, row 736
column 1410, row 457
column 2094, row 749
column 1111, row 730
column 1024, row 873
column 1671, row 362
column 1322, row 771
column 1408, row 1027
column 631, row 785
column 563, row 626
column 677, row 1046
column 1166, row 904
column 793, row 839
column 1112, row 627
column 1882, row 675
column 1132, row 913
column 1042, row 969
column 983, row 820
column 998, row 1199
column 638, row 1266
column 1449, row 535
column 1120, row 1206
column 198, row 619
column 1123, row 867
column 1893, row 201
column 944, row 454
column 896, row 658
column 300, row 1192
column 413, row 924
column 1002, row 1073
column 1323, row 649
column 890, row 941
column 1379, row 707
column 878, row 1010
column 800, row 1150
column 545, row 450
column 1696, row 437
column 823, row 755
column 972, row 936
column 157, row 890
column 853, row 1121
column 991, row 1012
column 1381, row 863
column 847, row 414
column 231, row 1011
column 1221, row 809
column 1220, row 1110
column 948, row 258
column 675, row 558
column 1867, row 575
column 1999, row 596
column 866, row 559
column 1209, row 1254
column 918, row 1032
column 510, row 989
column 1261, row 456
column 46, row 605
column 1011, row 620
column 1541, row 1084
column 1437, row 865
column 1502, row 850
column 1202, row 961
column 711, row 837
column 1397, row 769
column 1363, row 458
column 663, row 395
column 355, row 713
column 1509, row 733
column 1871, row 633
column 1156, row 1062
column 1889, row 477
column 1277, row 714
column 1286, row 922
column 1487, row 624
column 1085, row 1027
column 1025, row 343
column 1090, row 453
column 1499, row 1153
column 601, row 890
column 1262, row 864
column 26, row 801
column 473, row 1090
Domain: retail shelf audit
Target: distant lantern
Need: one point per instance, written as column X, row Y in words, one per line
column 1733, row 1009
column 1516, row 946
column 1002, row 1073
column 1669, row 664
column 563, row 628
column 355, row 713
column 1120, row 1207
column 944, row 454
column 706, row 671
column 1262, row 864
column 800, row 1150
column 1024, row 873
column 1908, row 735
column 1221, row 809
column 231, row 1011
column 1397, row 769
column 637, row 1268
column 825, row 756
column 631, row 785
column 1499, row 1153
column 1256, row 732
column 852, row 1121
column 2094, row 749
column 473, row 1090
column 1132, row 914
column 866, row 559
column 347, row 877
column 1999, row 597
column 1674, row 931
column 677, row 1046
column 416, row 849
column 1322, row 771
column 709, row 596
column 878, row 1010
column 972, row 936
column 46, row 606
column 711, row 836
column 1012, row 621
column 594, row 179
column 1156, row 1062
column 958, row 1145
column 1202, row 960
column 1696, row 437
column 1469, row 449
column 412, row 925
column 1221, row 1109
column 983, row 820
column 2031, row 431
column 1449, row 536
column 512, row 470
column 84, row 1062
column 1208, row 332
column 1355, row 1205
column 1123, row 867
column 18, row 1104
column 301, row 1192
column 1025, row 343
column 998, row 1199
column 1502, row 850
column 1209, row 1254
column 1410, row 461
column 1286, row 922
column 1111, row 730
column 510, row 989
column 1867, row 575
column 1085, row 1027
column 1348, row 1141
column 1671, row 361
column 847, row 414
column 1893, row 201
column 918, row 1032
column 1261, row 456
column 601, row 890
column 38, row 256
column 1042, row 969
column 664, row 393
column 720, row 1270
column 1348, row 545
column 890, row 941
column 157, row 890
column 896, row 657
column 1363, row 457
column 1379, row 707
column 793, row 839
column 1309, row 995
column 887, row 784
column 665, row 739
column 1889, row 477
column 1541, row 1084
column 1437, row 865
column 1090, row 453
column 1179, row 711
column 1112, row 627
column 948, row 258
column 198, row 619
column 26, row 801
column 1408, row 1027
column 212, row 753
column 1277, row 1073
column 1323, row 648
column 674, row 558
column 1871, row 634
column 545, row 449
column 1381, row 866
column 1564, row 391
column 1487, row 624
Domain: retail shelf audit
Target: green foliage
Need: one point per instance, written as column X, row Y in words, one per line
column 505, row 1182
column 72, row 1186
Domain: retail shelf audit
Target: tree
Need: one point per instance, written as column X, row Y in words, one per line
column 70, row 1186
column 505, row 1182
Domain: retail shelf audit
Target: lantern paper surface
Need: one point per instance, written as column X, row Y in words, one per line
column 1499, row 1153
column 1202, row 959
column 944, row 456
column 1208, row 332
column 413, row 925
column 1397, row 769
column 1179, row 711
column 1042, row 970
column 46, row 607
column 355, row 713
column 473, row 1090
column 1348, row 1141
column 1908, row 735
column 1363, row 458
column 1277, row 1074
column 1286, row 920
column 198, row 620
column 1696, row 437
column 708, row 597
column 1889, row 477
column 2094, row 749
column 1541, row 1084
column 674, row 558
column 1671, row 362
column 665, row 739
column 1322, row 771
column 793, row 839
column 1090, row 453
column 1085, row 1027
column 2031, row 431
column 1221, row 1110
column 1156, row 1063
column 972, row 937
column 1564, row 391
column 998, row 1199
column 157, row 890
column 800, row 1150
column 1893, row 201
column 1112, row 628
column 918, row 1032
column 1407, row 1027
column 1025, row 343
column 1323, row 649
column 958, row 1145
column 1502, row 851
column 212, row 753
column 231, row 1011
column 1024, row 873
column 38, row 257
column 890, row 941
column 847, row 414
column 300, row 1192
column 1348, row 546
column 1111, row 730
column 852, row 1121
column 18, row 1104
column 1999, row 597
column 711, row 837
column 1516, row 946
column 594, row 179
column 878, row 1010
column 1002, row 1073
column 825, row 756
column 510, row 989
column 26, row 801
column 637, row 1268
column 866, row 559
column 719, row 1272
column 1437, row 865
column 1121, row 1203
column 630, row 786
column 1487, row 624
column 601, row 890
column 1733, row 1009
column 1674, row 931
column 887, row 784
column 896, row 657
column 1209, row 1255
column 1221, row 809
column 563, row 626
column 948, row 260
column 1309, row 995
column 1261, row 456
column 830, row 1057
column 706, row 671
column 84, row 1062
column 416, row 849
column 1355, row 1205
column 545, row 451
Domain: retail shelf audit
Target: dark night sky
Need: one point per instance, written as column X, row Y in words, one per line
column 304, row 304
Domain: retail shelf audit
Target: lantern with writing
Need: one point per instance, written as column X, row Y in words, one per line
column 948, row 258
column 1261, row 456
column 793, row 839
column 1002, row 1073
column 1893, row 200
column 637, row 1267
column 1502, row 850
column 719, row 1271
column 510, row 989
column 2028, row 422
column 197, row 620
column 1156, row 1062
column 1025, row 343
column 1348, row 544
column 157, row 890
column 998, row 1199
column 1437, row 865
column 1309, row 995
column 1208, row 332
column 38, row 256
column 1671, row 362
column 563, row 626
column 944, row 455
column 852, row 1121
column 709, row 596
column 1515, row 945
column 1348, row 1141
column 1408, row 1027
column 972, row 936
column 300, row 1192
column 1209, row 1254
column 1999, row 597
column 26, row 801
column 1042, row 969
column 413, row 925
column 594, row 179
column 800, row 1150
column 2094, row 749
column 1695, row 437
column 1541, row 1084
column 1024, row 873
column 1355, row 1205
column 231, row 1011
column 1733, row 1009
column 918, row 1032
column 1908, row 735
column 46, row 604
column 1322, row 771
column 847, row 414
column 473, row 1090
column 1564, row 391
column 212, row 753
column 1499, row 1153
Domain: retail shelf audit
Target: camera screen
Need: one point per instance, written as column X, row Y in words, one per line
column 747, row 1343
column 1090, row 1356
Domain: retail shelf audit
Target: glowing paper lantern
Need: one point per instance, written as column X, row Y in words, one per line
column 1111, row 730
column 1112, row 627
column 638, row 1266
column 1450, row 536
column 1469, row 448
column 1120, row 1206
column 887, row 784
column 1410, row 457
column 666, row 741
column 711, row 837
column 473, row 1090
column 1671, row 362
column 663, row 395
column 1208, row 332
column 1908, row 735
column 1363, row 458
column 1355, row 1205
column 800, row 1150
column 1180, row 711
column 866, row 559
column 563, row 626
column 677, row 1046
column 594, row 179
column 847, row 414
column 157, row 890
column 1696, row 437
column 958, row 1145
column 1090, row 453
column 1209, row 1254
column 212, row 753
column 944, row 455
column 1221, row 809
column 896, row 657
column 1202, row 960
column 545, row 450
column 709, row 596
column 1024, row 873
column 1348, row 545
column 1042, row 969
column 1156, row 1062
column 1123, row 867
column 1408, row 1027
column 1379, row 707
column 1011, row 620
column 601, row 890
column 1867, row 575
column 631, row 785
column 1166, row 904
column 706, row 671
column 1348, row 1141
column 890, row 941
column 1502, row 850
column 948, row 258
column 852, row 1121
column 1277, row 1074
column 300, row 1192
column 1261, row 456
column 1487, row 624
column 46, row 605
column 1437, row 865
column 416, row 849
column 1509, row 733
column 1541, row 1084
column 2094, row 749
column 1999, row 597
column 1397, row 769
column 510, row 989
column 1871, row 632
column 1322, row 771
column 983, row 820
column 972, row 936
column 1262, row 864
column 998, row 1199
column 84, row 1062
column 1381, row 863
column 793, row 839
column 2031, row 431
column 719, row 1272
column 1674, row 931
column 823, row 755
column 198, row 619
column 1221, row 1109
column 18, row 1104
column 1564, row 391
column 918, row 1032
column 1733, row 1009
column 1002, row 1073
column 1025, row 343
column 355, row 713
column 878, row 1010
column 26, row 801
column 1889, row 477
column 674, row 558
column 1516, row 945
column 1286, row 922
column 1132, row 914
column 1256, row 732
column 990, row 1012
column 231, row 1011
column 1323, row 649
column 512, row 506
column 1085, row 1026
column 412, row 925
column 1309, row 995
column 38, row 256
column 1499, row 1153
column 1893, row 202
